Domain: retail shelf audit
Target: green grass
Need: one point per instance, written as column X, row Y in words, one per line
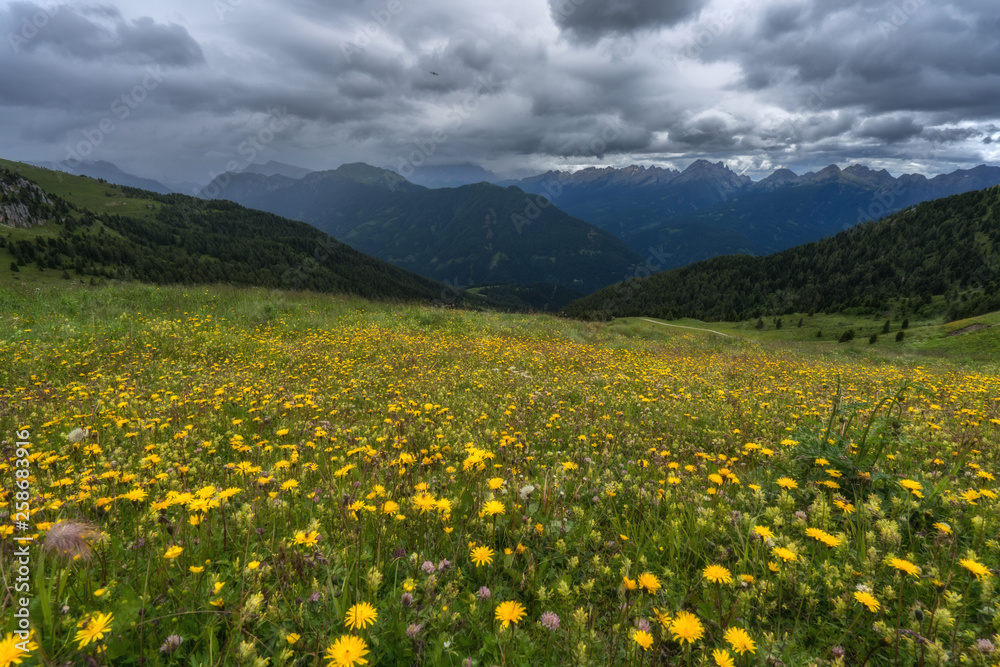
column 83, row 191
column 626, row 457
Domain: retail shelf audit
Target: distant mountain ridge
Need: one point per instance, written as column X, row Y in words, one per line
column 708, row 210
column 109, row 172
column 479, row 234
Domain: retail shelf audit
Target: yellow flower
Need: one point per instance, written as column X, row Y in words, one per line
column 643, row 639
column 649, row 581
column 347, row 651
column 717, row 574
column 509, row 612
column 764, row 532
column 912, row 486
column 904, row 566
column 722, row 658
column 196, row 569
column 292, row 637
column 361, row 616
column 630, row 584
column 495, row 483
column 787, row 483
column 308, row 539
column 481, row 555
column 868, row 600
column 975, row 568
column 93, row 629
column 686, row 627
column 173, row 552
column 10, row 649
column 493, row 507
column 785, row 554
column 740, row 640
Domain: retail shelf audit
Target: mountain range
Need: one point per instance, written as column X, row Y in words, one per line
column 480, row 234
column 948, row 247
column 708, row 210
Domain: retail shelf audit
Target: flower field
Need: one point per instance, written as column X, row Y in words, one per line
column 247, row 478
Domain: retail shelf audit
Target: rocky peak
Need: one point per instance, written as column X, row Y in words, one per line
column 20, row 201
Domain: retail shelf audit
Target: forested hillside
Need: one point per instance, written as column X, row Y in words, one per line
column 947, row 247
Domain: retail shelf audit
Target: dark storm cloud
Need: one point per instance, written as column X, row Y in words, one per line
column 890, row 129
column 755, row 83
column 591, row 19
column 100, row 33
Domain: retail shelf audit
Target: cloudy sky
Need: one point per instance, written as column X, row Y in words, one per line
column 181, row 88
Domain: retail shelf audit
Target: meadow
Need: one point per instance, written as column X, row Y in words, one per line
column 244, row 477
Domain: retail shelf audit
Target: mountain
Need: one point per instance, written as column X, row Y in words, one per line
column 107, row 171
column 449, row 176
column 471, row 235
column 272, row 168
column 947, row 247
column 708, row 210
column 100, row 231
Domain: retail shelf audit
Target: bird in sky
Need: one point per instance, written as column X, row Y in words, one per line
column 435, row 74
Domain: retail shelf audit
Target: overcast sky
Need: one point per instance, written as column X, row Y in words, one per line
column 180, row 88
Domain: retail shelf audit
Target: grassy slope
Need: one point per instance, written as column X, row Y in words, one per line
column 923, row 338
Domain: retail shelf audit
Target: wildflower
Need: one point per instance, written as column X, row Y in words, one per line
column 787, row 483
column 481, row 555
column 509, row 612
column 722, row 658
column 643, row 639
column 717, row 574
column 173, row 552
column 686, row 627
column 630, row 584
column 292, row 637
column 93, row 629
column 493, row 507
column 740, row 640
column 943, row 528
column 764, row 532
column 347, row 651
column 308, row 539
column 550, row 621
column 904, row 566
column 70, row 539
column 868, row 600
column 361, row 616
column 648, row 581
column 975, row 567
column 912, row 486
column 484, row 593
column 11, row 651
column 785, row 554
column 428, row 567
column 172, row 643
column 413, row 630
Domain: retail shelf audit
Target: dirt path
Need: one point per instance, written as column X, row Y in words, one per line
column 664, row 324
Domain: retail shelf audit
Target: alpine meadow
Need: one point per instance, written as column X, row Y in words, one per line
column 538, row 334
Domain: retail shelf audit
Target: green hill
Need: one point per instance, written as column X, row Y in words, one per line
column 948, row 247
column 54, row 225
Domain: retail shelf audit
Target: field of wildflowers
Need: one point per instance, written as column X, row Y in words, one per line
column 254, row 478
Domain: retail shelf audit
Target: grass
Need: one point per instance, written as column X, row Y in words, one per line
column 84, row 191
column 277, row 477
